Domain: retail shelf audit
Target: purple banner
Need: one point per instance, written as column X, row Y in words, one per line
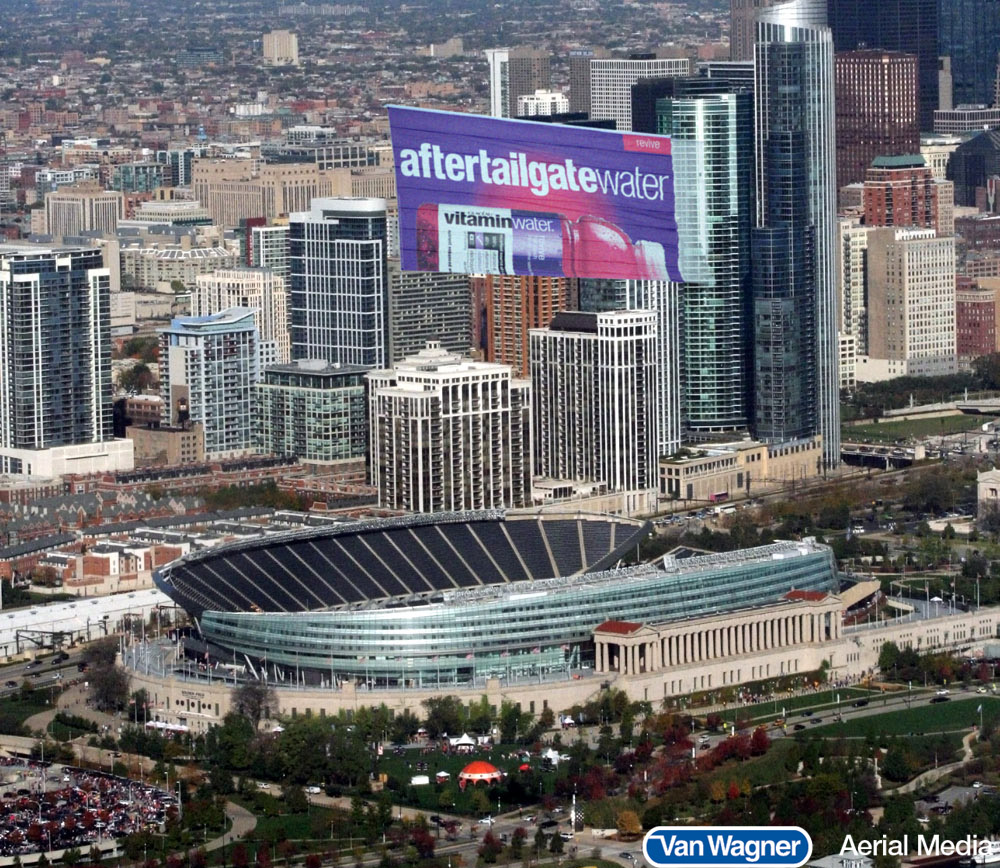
column 480, row 195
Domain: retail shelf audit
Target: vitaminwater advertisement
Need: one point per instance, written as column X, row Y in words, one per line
column 482, row 195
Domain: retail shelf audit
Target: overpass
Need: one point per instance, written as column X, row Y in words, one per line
column 883, row 457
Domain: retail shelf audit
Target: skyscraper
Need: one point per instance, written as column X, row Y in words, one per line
column 712, row 150
column 911, row 304
column 969, row 33
column 209, row 366
column 55, row 353
column 428, row 306
column 339, row 286
column 663, row 299
column 593, row 378
column 257, row 288
column 894, row 25
column 579, row 77
column 877, row 115
column 794, row 243
column 449, row 433
column 281, row 48
column 516, row 72
column 514, row 306
column 611, row 81
column 901, row 191
column 743, row 27
column 84, row 207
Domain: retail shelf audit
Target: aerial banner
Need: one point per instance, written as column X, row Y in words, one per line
column 481, row 195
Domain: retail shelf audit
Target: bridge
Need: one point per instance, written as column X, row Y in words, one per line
column 883, row 457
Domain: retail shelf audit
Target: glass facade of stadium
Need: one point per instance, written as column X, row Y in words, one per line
column 515, row 631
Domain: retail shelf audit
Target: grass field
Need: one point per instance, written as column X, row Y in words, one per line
column 889, row 432
column 824, row 700
column 953, row 716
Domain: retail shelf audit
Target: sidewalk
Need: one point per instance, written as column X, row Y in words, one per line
column 932, row 775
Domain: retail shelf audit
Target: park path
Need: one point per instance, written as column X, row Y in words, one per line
column 932, row 775
column 241, row 823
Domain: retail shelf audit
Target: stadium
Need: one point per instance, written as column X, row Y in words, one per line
column 451, row 600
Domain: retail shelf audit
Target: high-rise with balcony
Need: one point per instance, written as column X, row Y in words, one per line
column 339, row 284
column 257, row 288
column 449, row 433
column 876, row 109
column 55, row 361
column 794, row 259
column 209, row 366
column 902, row 191
column 711, row 126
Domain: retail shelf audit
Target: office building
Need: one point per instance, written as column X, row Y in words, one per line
column 910, row 26
column 55, row 362
column 911, row 305
column 593, row 381
column 515, row 305
column 269, row 248
column 236, row 190
column 542, row 102
column 579, row 77
column 876, row 101
column 339, row 283
column 281, row 48
column 515, row 72
column 966, row 119
column 449, row 433
column 428, row 306
column 712, row 151
column 977, row 317
column 969, row 33
column 794, row 264
column 313, row 410
column 209, row 366
column 83, row 207
column 611, row 81
column 901, row 191
column 970, row 168
column 936, row 151
column 258, row 289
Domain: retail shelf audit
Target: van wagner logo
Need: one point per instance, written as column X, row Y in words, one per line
column 726, row 846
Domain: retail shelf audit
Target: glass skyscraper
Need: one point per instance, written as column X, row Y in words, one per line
column 339, row 285
column 969, row 33
column 712, row 149
column 794, row 242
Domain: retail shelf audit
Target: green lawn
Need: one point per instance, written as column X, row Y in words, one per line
column 958, row 714
column 889, row 432
column 825, row 700
column 761, row 770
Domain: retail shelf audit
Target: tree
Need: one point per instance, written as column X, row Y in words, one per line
column 628, row 824
column 255, row 700
column 888, row 657
column 490, row 848
column 101, row 652
column 759, row 741
column 480, row 802
column 556, row 844
column 109, row 688
column 444, row 715
column 72, row 857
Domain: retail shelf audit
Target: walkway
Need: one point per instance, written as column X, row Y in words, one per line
column 932, row 775
column 241, row 823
